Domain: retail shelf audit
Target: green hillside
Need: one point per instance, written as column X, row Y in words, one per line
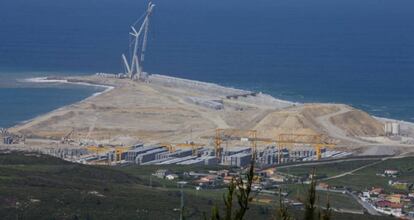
column 41, row 187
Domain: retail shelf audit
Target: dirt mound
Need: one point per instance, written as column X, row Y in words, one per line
column 306, row 120
column 280, row 122
column 358, row 123
column 318, row 110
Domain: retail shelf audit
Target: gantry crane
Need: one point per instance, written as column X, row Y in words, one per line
column 292, row 139
column 314, row 140
column 282, row 140
column 118, row 151
column 233, row 135
column 97, row 150
column 172, row 147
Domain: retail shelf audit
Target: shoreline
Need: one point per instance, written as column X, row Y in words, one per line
column 108, row 88
column 172, row 78
column 163, row 110
column 62, row 81
column 46, row 79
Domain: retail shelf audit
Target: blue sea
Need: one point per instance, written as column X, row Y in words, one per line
column 343, row 51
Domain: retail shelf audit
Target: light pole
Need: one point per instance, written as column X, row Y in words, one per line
column 181, row 184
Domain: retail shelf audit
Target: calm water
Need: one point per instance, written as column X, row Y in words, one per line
column 349, row 51
column 19, row 104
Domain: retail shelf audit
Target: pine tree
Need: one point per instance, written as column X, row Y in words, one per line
column 242, row 190
column 282, row 211
column 310, row 200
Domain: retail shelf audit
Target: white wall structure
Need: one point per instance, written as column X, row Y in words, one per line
column 392, row 128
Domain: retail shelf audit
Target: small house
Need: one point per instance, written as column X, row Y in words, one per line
column 390, row 172
column 171, row 176
column 162, row 173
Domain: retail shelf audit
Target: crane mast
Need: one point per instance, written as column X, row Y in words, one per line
column 134, row 68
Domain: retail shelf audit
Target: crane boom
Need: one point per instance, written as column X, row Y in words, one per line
column 172, row 147
column 128, row 68
column 283, row 140
column 144, row 42
column 134, row 68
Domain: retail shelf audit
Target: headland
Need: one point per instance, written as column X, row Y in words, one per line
column 173, row 110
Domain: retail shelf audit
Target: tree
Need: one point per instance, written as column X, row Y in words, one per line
column 310, row 200
column 310, row 207
column 327, row 213
column 242, row 191
column 282, row 211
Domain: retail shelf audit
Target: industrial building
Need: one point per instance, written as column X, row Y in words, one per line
column 232, row 156
column 286, row 149
column 8, row 140
column 392, row 129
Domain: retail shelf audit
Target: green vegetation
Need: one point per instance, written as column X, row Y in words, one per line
column 42, row 187
column 242, row 191
column 144, row 173
column 361, row 179
column 336, row 200
column 367, row 177
column 326, row 170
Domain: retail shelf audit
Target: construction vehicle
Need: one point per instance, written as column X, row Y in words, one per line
column 134, row 66
column 67, row 138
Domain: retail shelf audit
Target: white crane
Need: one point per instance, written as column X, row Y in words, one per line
column 134, row 67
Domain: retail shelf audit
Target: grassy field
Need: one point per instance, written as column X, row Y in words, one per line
column 48, row 188
column 144, row 173
column 336, row 200
column 362, row 179
column 325, row 170
column 42, row 187
column 367, row 178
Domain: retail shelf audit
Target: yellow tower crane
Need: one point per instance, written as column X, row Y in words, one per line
column 314, row 140
column 234, row 135
column 97, row 150
column 282, row 140
column 292, row 139
column 118, row 153
column 172, row 147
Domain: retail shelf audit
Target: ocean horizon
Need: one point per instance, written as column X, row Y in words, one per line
column 351, row 52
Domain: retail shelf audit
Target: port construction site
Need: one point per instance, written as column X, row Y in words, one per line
column 145, row 118
column 198, row 154
column 157, row 121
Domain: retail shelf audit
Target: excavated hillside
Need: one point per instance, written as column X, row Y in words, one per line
column 160, row 112
column 285, row 121
column 358, row 123
column 340, row 122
